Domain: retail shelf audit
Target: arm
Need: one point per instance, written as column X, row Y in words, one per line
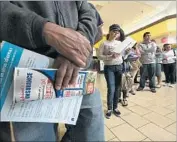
column 100, row 54
column 21, row 26
column 138, row 52
column 87, row 24
column 152, row 49
column 99, row 35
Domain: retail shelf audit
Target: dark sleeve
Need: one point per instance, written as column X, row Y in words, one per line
column 21, row 26
column 87, row 21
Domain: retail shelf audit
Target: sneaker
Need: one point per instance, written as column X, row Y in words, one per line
column 171, row 86
column 124, row 102
column 116, row 112
column 132, row 92
column 108, row 114
column 158, row 86
column 136, row 82
column 120, row 100
column 139, row 89
column 166, row 84
column 153, row 90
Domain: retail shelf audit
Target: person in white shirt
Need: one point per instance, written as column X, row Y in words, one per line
column 148, row 51
column 113, row 67
column 169, row 65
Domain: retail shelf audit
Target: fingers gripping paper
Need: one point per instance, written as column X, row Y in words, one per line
column 33, row 106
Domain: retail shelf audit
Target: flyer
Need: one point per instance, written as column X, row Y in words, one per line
column 127, row 43
column 37, row 84
column 63, row 110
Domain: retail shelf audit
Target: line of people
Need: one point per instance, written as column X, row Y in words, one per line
column 121, row 70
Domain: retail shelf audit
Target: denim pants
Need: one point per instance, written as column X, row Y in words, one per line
column 113, row 76
column 150, row 71
column 89, row 126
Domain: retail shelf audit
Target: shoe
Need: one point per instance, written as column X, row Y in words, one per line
column 153, row 90
column 171, row 86
column 124, row 102
column 132, row 92
column 158, row 86
column 136, row 82
column 166, row 85
column 120, row 100
column 108, row 114
column 116, row 112
column 139, row 89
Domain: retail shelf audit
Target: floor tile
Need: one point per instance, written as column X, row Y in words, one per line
column 108, row 134
column 130, row 104
column 159, row 119
column 155, row 133
column 114, row 140
column 113, row 121
column 126, row 132
column 139, row 110
column 135, row 120
column 172, row 128
column 172, row 116
column 172, row 107
column 160, row 110
column 146, row 140
column 141, row 102
column 124, row 110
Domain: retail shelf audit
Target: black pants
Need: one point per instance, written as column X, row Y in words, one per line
column 169, row 70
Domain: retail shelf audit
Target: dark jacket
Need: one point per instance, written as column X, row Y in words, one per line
column 22, row 22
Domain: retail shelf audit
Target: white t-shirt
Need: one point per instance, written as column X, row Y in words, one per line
column 104, row 52
column 168, row 57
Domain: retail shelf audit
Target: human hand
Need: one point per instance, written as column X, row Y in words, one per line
column 69, row 43
column 115, row 55
column 66, row 74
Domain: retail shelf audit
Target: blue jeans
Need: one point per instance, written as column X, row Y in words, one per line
column 89, row 127
column 150, row 70
column 113, row 76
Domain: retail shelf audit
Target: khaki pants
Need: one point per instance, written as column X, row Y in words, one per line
column 135, row 68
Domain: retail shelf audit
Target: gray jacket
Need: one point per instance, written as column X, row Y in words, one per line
column 22, row 22
column 148, row 52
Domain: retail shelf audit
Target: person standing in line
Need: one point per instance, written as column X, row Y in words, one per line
column 113, row 67
column 148, row 49
column 169, row 65
column 133, row 58
column 158, row 66
column 65, row 31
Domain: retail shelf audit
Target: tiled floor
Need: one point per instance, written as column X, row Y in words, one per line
column 148, row 117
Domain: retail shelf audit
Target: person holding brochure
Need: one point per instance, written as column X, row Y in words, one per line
column 113, row 67
column 65, row 31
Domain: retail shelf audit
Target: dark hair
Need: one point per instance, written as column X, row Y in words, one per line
column 107, row 36
column 134, row 46
column 166, row 44
column 146, row 33
column 122, row 35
